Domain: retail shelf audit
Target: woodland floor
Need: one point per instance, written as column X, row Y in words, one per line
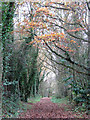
column 46, row 109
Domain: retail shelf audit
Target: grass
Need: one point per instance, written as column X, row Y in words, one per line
column 59, row 100
column 34, row 99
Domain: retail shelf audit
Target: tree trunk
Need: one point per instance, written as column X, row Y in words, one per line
column 7, row 41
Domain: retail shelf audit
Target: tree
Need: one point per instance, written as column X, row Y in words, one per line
column 26, row 68
column 62, row 36
column 10, row 85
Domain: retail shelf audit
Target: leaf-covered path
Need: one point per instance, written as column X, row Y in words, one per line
column 46, row 109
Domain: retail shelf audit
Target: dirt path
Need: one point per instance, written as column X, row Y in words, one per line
column 46, row 109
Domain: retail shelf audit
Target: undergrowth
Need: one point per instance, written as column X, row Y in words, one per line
column 34, row 99
column 12, row 109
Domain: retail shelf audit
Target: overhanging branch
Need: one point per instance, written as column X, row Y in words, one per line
column 67, row 59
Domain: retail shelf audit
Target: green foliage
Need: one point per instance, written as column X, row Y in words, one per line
column 10, row 105
column 59, row 100
column 28, row 73
column 80, row 94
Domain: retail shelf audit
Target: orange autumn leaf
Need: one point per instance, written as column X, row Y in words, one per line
column 62, row 37
column 70, row 50
column 62, row 33
column 31, row 42
column 42, row 9
column 77, row 29
column 73, row 41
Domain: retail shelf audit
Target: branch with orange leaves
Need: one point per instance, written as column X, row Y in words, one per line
column 68, row 23
column 66, row 58
column 59, row 55
column 72, row 35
